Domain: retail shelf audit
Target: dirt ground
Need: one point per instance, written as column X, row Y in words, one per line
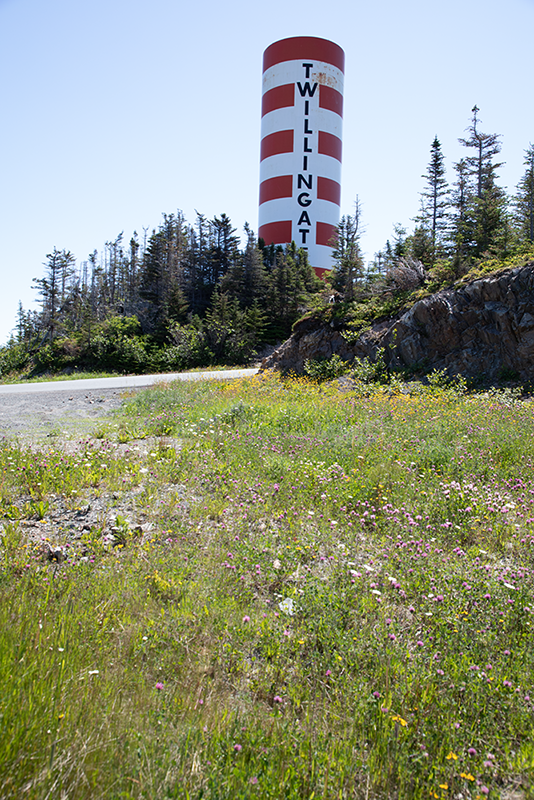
column 41, row 415
column 67, row 420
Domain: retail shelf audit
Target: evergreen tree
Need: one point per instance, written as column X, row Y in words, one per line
column 132, row 276
column 115, row 263
column 289, row 284
column 347, row 255
column 487, row 203
column 459, row 226
column 246, row 278
column 255, row 321
column 197, row 288
column 268, row 253
column 393, row 252
column 524, row 200
column 435, row 204
column 226, row 332
column 53, row 289
column 153, row 278
column 254, row 275
column 224, row 250
column 161, row 273
column 420, row 245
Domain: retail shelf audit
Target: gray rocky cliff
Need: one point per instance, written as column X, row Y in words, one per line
column 482, row 330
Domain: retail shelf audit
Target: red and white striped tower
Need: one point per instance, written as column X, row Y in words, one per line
column 300, row 160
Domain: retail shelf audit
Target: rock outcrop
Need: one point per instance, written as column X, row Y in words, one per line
column 484, row 329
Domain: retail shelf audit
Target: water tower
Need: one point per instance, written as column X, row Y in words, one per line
column 301, row 141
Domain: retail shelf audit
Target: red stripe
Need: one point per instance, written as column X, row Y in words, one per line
column 328, row 189
column 275, row 188
column 279, row 97
column 276, row 143
column 329, row 145
column 325, row 233
column 276, row 232
column 330, row 99
column 307, row 47
column 321, row 272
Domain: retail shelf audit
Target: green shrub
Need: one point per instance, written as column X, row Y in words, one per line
column 325, row 369
column 14, row 357
column 367, row 371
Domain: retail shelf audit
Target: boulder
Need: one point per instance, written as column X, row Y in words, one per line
column 482, row 330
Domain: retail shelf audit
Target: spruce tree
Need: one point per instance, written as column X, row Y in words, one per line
column 486, row 207
column 246, row 278
column 524, row 200
column 348, row 270
column 458, row 231
column 224, row 249
column 435, row 205
column 289, row 285
column 54, row 288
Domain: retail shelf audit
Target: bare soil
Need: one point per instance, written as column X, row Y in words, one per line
column 68, row 421
column 38, row 416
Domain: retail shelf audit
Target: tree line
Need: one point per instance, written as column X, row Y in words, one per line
column 185, row 296
column 190, row 295
column 458, row 225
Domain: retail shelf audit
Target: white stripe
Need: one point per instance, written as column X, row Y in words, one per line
column 293, row 71
column 292, row 119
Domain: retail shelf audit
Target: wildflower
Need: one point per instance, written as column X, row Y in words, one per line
column 246, row 619
column 237, row 748
column 253, row 780
column 287, row 606
column 277, row 699
column 328, row 673
column 159, row 686
column 471, row 751
column 484, row 790
column 453, row 756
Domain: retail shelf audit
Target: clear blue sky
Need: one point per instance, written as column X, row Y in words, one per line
column 115, row 111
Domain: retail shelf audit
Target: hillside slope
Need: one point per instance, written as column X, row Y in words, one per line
column 484, row 329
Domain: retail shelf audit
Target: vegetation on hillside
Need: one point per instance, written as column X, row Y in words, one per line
column 271, row 588
column 190, row 295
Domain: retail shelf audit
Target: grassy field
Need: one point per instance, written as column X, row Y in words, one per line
column 291, row 591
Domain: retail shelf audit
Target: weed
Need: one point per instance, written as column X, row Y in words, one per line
column 330, row 595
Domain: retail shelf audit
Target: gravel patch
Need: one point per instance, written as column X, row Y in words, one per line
column 32, row 418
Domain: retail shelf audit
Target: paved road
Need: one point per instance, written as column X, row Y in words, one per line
column 126, row 382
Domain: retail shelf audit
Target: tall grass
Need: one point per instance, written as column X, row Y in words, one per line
column 302, row 593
